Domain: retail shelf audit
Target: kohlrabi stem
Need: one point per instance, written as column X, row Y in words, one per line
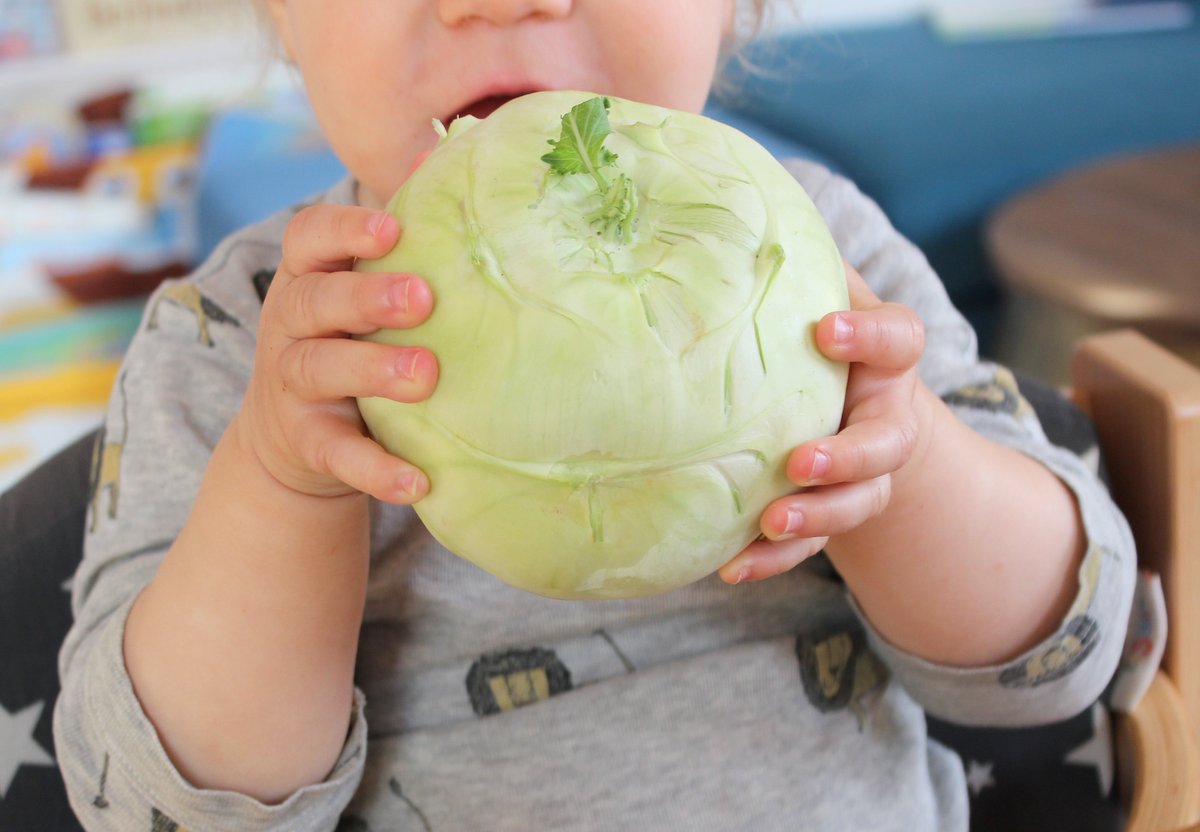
column 580, row 149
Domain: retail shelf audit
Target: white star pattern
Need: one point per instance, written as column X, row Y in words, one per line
column 1097, row 751
column 979, row 777
column 17, row 745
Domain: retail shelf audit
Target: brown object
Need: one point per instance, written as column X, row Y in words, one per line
column 1145, row 403
column 108, row 108
column 69, row 177
column 106, row 280
column 1117, row 242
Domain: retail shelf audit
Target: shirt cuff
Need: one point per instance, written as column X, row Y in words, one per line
column 1069, row 670
column 137, row 785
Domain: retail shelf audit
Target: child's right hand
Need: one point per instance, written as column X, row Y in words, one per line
column 299, row 416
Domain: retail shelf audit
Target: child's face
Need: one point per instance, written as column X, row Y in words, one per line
column 378, row 71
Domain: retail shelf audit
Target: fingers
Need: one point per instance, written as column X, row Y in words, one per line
column 318, row 296
column 889, row 336
column 318, row 370
column 885, row 335
column 765, row 559
column 852, row 470
column 326, row 238
column 826, row 512
column 863, row 450
column 317, row 305
column 301, row 420
column 358, row 462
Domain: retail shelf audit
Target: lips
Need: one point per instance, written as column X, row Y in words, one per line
column 485, row 106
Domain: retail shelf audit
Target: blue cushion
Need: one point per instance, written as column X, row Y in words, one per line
column 254, row 164
column 781, row 145
column 940, row 132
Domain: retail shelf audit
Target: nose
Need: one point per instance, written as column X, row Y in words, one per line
column 501, row 12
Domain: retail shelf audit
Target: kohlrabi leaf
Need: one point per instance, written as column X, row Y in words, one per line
column 581, row 148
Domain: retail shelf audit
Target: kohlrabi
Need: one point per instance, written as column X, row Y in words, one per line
column 625, row 299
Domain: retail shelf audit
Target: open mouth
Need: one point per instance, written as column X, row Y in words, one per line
column 484, row 107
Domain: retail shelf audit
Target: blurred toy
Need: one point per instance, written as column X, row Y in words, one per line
column 27, row 29
column 99, row 203
column 112, row 219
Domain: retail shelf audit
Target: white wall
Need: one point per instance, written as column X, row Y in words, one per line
column 810, row 14
column 824, row 14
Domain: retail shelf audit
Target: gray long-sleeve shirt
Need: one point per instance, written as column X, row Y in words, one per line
column 764, row 706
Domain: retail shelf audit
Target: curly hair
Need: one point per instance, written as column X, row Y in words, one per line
column 751, row 18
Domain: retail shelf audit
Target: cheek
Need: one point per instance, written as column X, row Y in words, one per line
column 670, row 64
column 361, row 112
column 679, row 80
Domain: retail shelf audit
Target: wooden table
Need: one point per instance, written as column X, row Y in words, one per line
column 1113, row 244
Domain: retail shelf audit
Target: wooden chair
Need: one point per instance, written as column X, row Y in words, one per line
column 1145, row 403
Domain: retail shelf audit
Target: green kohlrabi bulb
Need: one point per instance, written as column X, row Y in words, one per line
column 625, row 299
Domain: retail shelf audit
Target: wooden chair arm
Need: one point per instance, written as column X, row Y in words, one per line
column 1158, row 762
column 1145, row 404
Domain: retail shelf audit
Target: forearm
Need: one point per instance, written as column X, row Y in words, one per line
column 246, row 638
column 975, row 558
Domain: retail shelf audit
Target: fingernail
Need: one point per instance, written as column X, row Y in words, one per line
column 843, row 330
column 410, row 484
column 743, row 575
column 820, row 465
column 406, row 364
column 377, row 221
column 398, row 295
column 795, row 519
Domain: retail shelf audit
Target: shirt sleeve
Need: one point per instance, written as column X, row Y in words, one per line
column 1070, row 669
column 180, row 383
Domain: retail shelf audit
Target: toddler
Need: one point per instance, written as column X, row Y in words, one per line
column 266, row 638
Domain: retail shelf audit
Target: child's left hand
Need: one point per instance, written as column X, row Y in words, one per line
column 847, row 477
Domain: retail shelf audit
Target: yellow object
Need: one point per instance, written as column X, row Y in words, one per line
column 13, row 455
column 36, row 158
column 36, row 314
column 151, row 172
column 81, row 384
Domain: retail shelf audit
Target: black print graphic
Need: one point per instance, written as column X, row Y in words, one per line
column 839, row 672
column 625, row 661
column 502, row 681
column 100, row 801
column 1067, row 649
column 262, row 282
column 394, row 785
column 161, row 823
column 187, row 296
column 1002, row 395
column 1057, row 659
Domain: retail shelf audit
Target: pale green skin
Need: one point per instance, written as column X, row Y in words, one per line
column 610, row 419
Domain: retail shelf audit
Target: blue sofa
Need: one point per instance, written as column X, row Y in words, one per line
column 940, row 133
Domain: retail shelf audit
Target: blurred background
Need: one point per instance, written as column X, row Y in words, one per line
column 135, row 134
